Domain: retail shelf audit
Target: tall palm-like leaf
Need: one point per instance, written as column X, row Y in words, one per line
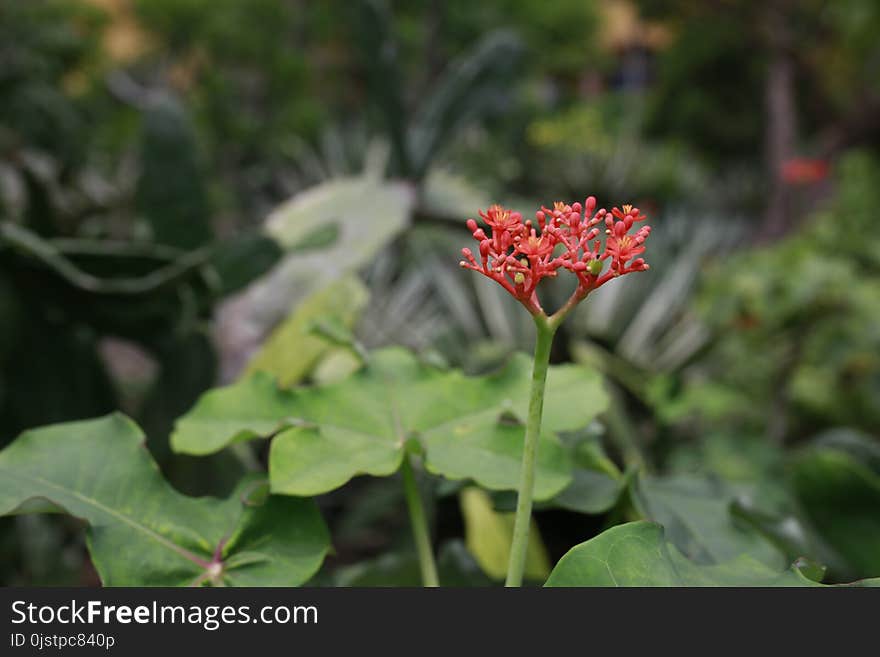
column 470, row 88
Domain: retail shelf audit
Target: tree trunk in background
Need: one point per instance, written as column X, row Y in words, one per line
column 781, row 135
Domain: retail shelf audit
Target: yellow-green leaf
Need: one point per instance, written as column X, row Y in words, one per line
column 293, row 349
column 488, row 534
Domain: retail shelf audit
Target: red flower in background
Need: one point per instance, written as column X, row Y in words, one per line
column 518, row 255
column 804, row 171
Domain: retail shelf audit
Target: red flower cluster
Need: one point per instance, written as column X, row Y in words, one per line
column 518, row 255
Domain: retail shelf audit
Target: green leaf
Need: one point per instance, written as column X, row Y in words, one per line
column 590, row 492
column 241, row 260
column 338, row 364
column 361, row 215
column 637, row 554
column 792, row 536
column 144, row 533
column 840, row 498
column 696, row 513
column 596, row 482
column 310, row 461
column 363, row 423
column 252, row 407
column 469, row 427
column 365, row 212
column 293, row 348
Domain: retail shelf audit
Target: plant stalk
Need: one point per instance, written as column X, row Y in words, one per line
column 544, row 339
column 421, row 534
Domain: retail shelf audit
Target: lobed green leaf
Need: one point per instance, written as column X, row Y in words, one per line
column 141, row 532
column 468, row 427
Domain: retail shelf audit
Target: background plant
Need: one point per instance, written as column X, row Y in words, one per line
column 172, row 174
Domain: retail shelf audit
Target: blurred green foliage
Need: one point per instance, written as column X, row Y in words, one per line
column 254, row 72
column 710, row 83
column 810, row 307
column 745, row 385
column 101, row 237
column 44, row 45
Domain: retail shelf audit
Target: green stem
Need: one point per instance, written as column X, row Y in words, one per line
column 545, row 330
column 419, row 524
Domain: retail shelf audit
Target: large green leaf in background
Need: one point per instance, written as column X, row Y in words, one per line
column 141, row 531
column 637, row 554
column 346, row 222
column 696, row 513
column 363, row 212
column 840, row 497
column 596, row 483
column 469, row 427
